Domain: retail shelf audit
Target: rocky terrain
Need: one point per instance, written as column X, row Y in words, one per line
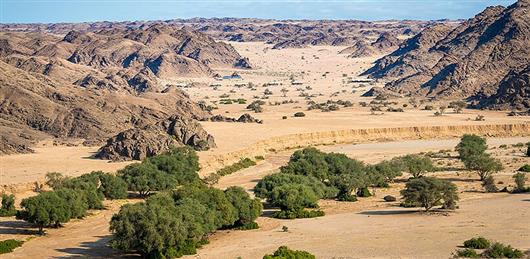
column 93, row 85
column 280, row 33
column 386, row 43
column 484, row 59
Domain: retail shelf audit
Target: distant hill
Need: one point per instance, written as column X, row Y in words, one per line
column 484, row 59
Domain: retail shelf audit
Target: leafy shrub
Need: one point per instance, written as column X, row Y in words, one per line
column 9, row 245
column 525, row 168
column 247, row 226
column 284, row 252
column 489, row 184
column 364, row 192
column 467, row 253
column 498, row 250
column 429, row 192
column 113, row 187
column 8, row 205
column 477, row 243
column 242, row 164
column 519, row 178
column 298, row 214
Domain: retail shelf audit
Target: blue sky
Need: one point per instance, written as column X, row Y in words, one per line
column 25, row 11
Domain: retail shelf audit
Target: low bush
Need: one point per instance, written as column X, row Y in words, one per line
column 284, row 252
column 525, row 168
column 298, row 214
column 466, row 253
column 364, row 192
column 477, row 243
column 489, row 184
column 248, row 226
column 498, row 250
column 7, row 246
column 346, row 197
column 242, row 164
column 8, row 205
column 520, row 180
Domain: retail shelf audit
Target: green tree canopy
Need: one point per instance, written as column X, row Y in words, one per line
column 45, row 209
column 428, row 192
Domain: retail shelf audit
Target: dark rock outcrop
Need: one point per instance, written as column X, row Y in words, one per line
column 141, row 142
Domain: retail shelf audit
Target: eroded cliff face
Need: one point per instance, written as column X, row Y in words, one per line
column 294, row 141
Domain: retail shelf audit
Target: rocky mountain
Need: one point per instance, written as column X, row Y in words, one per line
column 94, row 85
column 386, row 43
column 483, row 58
column 279, row 33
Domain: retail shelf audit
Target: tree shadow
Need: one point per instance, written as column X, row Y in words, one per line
column 467, row 180
column 95, row 249
column 16, row 227
column 388, row 212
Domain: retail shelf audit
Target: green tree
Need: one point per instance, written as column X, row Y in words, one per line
column 293, row 197
column 182, row 163
column 75, row 200
column 87, row 185
column 113, row 187
column 489, row 184
column 484, row 165
column 417, row 165
column 8, row 205
column 265, row 186
column 429, row 192
column 247, row 209
column 145, row 178
column 471, row 146
column 45, row 209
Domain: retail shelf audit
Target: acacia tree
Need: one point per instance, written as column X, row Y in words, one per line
column 484, row 165
column 471, row 145
column 45, row 209
column 417, row 165
column 145, row 178
column 247, row 209
column 428, row 192
column 8, row 205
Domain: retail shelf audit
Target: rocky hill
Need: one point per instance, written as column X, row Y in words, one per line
column 94, row 85
column 483, row 58
column 386, row 43
column 279, row 33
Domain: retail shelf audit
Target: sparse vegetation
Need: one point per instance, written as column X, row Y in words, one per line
column 242, row 164
column 477, row 243
column 428, row 192
column 284, row 252
column 8, row 205
column 9, row 245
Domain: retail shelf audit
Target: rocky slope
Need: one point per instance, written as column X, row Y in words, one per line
column 94, row 85
column 483, row 58
column 386, row 43
column 279, row 33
